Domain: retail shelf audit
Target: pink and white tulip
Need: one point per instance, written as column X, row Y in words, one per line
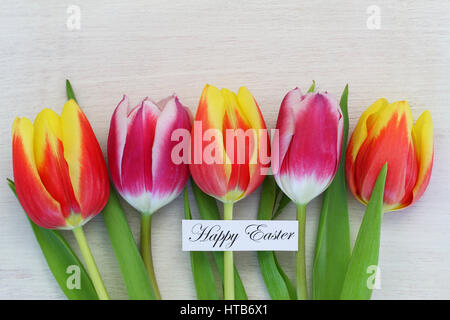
column 139, row 152
column 309, row 145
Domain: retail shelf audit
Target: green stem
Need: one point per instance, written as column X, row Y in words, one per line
column 228, row 264
column 146, row 251
column 302, row 291
column 90, row 263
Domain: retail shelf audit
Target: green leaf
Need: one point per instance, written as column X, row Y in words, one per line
column 290, row 287
column 69, row 91
column 60, row 257
column 333, row 250
column 204, row 281
column 267, row 199
column 207, row 206
column 364, row 260
column 273, row 278
column 282, row 203
column 208, row 210
column 278, row 284
column 127, row 253
column 311, row 89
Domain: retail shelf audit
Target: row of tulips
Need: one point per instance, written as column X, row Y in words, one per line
column 61, row 178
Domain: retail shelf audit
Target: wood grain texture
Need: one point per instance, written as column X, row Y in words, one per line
column 153, row 48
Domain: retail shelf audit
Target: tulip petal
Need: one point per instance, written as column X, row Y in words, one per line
column 35, row 199
column 211, row 178
column 422, row 134
column 399, row 110
column 250, row 109
column 169, row 178
column 137, row 158
column 212, row 117
column 116, row 141
column 358, row 137
column 285, row 127
column 84, row 157
column 237, row 157
column 252, row 112
column 361, row 130
column 50, row 162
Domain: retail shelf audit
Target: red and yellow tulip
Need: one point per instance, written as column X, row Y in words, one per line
column 230, row 165
column 236, row 168
column 59, row 171
column 385, row 133
column 60, row 175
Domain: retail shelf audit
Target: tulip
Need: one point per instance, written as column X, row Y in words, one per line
column 237, row 134
column 306, row 156
column 139, row 156
column 228, row 117
column 60, row 175
column 385, row 133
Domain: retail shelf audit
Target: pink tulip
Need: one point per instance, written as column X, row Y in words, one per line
column 139, row 152
column 305, row 157
column 309, row 145
column 140, row 161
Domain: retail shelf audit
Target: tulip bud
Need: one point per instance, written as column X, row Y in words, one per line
column 59, row 171
column 309, row 144
column 139, row 152
column 385, row 133
column 227, row 139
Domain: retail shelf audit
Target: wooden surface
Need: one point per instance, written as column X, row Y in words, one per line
column 154, row 48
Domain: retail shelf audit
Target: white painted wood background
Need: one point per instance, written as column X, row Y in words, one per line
column 157, row 47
